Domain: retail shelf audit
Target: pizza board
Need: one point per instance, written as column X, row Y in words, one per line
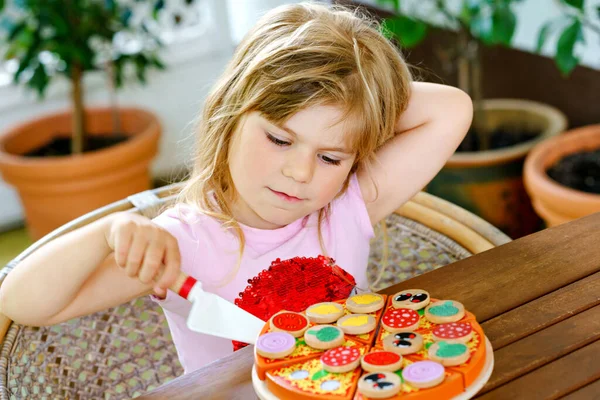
column 260, row 387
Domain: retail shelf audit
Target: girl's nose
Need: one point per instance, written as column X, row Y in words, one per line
column 299, row 166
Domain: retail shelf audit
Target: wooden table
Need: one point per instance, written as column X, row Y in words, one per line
column 537, row 299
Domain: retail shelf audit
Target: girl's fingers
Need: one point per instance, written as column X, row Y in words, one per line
column 136, row 255
column 172, row 262
column 123, row 240
column 152, row 262
column 160, row 292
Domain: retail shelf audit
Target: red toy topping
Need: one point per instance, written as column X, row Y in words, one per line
column 382, row 358
column 294, row 285
column 340, row 356
column 400, row 317
column 289, row 321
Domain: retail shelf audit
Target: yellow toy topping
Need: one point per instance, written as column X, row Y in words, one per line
column 324, row 309
column 365, row 298
column 356, row 321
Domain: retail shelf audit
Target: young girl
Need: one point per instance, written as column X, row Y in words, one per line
column 314, row 133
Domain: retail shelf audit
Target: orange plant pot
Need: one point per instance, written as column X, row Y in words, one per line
column 556, row 203
column 56, row 190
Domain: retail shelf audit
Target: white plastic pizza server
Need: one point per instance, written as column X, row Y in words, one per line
column 213, row 315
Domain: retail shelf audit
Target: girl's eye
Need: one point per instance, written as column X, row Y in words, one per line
column 277, row 141
column 330, row 160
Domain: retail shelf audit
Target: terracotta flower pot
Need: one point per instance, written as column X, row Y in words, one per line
column 556, row 203
column 490, row 183
column 55, row 190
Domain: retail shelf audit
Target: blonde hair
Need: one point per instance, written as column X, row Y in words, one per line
column 298, row 56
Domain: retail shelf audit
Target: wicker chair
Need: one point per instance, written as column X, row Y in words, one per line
column 127, row 350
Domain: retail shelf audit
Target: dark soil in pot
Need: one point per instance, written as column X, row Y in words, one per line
column 579, row 171
column 61, row 146
column 500, row 138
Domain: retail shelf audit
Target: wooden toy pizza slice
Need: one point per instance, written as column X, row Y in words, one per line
column 369, row 337
column 473, row 368
column 300, row 353
column 308, row 380
column 451, row 386
column 303, row 352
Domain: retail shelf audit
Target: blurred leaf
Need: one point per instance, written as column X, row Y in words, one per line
column 159, row 5
column 543, row 35
column 126, row 16
column 482, row 27
column 395, row 3
column 17, row 29
column 408, row 31
column 157, row 63
column 469, row 11
column 473, row 5
column 598, row 12
column 140, row 68
column 504, row 25
column 39, row 80
column 574, row 3
column 565, row 58
column 2, row 4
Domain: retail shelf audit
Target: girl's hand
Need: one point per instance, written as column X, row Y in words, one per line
column 145, row 250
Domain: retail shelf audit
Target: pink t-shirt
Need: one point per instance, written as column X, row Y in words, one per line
column 208, row 253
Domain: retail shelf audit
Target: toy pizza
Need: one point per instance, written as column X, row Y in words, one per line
column 371, row 346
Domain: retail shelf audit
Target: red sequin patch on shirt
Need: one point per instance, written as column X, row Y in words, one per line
column 294, row 285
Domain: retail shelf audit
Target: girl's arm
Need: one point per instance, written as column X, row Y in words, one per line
column 78, row 273
column 428, row 133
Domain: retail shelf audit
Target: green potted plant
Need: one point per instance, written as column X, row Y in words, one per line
column 68, row 163
column 562, row 174
column 485, row 174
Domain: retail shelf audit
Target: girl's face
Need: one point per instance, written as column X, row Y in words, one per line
column 283, row 173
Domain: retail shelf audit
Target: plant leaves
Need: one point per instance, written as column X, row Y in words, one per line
column 395, row 3
column 504, row 25
column 565, row 57
column 574, row 3
column 409, row 32
column 543, row 35
column 482, row 28
column 16, row 30
column 39, row 80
